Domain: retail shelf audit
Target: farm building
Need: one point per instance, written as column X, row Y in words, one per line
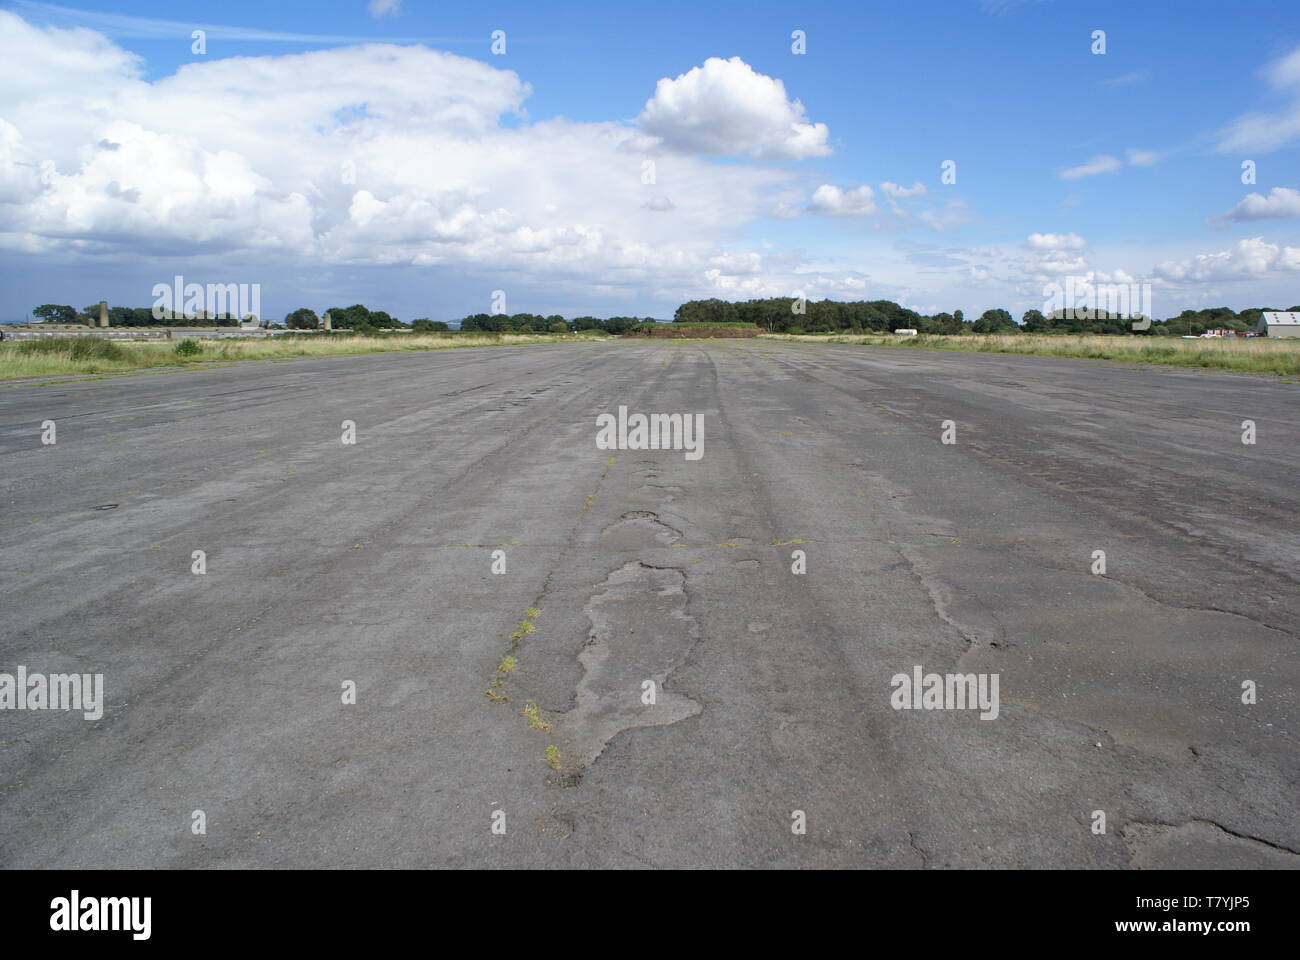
column 1279, row 324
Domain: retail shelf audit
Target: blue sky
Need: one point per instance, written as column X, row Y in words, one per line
column 775, row 173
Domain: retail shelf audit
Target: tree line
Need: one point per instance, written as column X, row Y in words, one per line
column 357, row 318
column 774, row 315
column 782, row 315
column 535, row 323
column 131, row 317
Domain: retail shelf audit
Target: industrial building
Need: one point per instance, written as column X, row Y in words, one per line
column 1279, row 324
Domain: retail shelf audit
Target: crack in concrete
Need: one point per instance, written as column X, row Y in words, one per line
column 1166, row 830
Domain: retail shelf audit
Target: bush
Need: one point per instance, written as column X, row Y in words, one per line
column 189, row 347
column 425, row 325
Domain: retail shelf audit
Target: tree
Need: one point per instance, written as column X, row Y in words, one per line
column 56, row 313
column 302, row 319
column 947, row 323
column 346, row 318
column 425, row 325
column 1034, row 322
column 993, row 321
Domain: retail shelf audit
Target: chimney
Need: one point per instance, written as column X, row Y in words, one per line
column 103, row 313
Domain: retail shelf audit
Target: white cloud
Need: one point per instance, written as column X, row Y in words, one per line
column 830, row 201
column 152, row 28
column 953, row 214
column 1268, row 131
column 725, row 108
column 1123, row 80
column 902, row 193
column 1055, row 241
column 1098, row 164
column 1281, row 202
column 380, row 8
column 1143, row 158
column 352, row 156
column 1250, row 259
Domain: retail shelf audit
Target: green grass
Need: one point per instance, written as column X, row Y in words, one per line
column 73, row 356
column 1255, row 355
column 534, row 715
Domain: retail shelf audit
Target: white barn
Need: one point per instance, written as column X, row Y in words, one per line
column 1279, row 324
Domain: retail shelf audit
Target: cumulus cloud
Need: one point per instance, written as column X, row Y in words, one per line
column 831, row 201
column 1055, row 241
column 1281, row 203
column 902, row 193
column 1250, row 259
column 725, row 108
column 371, row 154
column 1103, row 163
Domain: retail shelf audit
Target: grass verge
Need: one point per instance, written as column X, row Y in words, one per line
column 1254, row 355
column 73, row 356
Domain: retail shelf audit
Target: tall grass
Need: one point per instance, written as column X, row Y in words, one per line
column 75, row 356
column 1253, row 355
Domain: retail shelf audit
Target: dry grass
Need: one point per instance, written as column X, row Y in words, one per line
column 1254, row 355
column 61, row 358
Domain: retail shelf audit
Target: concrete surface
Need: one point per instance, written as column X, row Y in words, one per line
column 371, row 563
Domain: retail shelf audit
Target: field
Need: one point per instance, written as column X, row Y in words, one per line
column 695, row 331
column 1256, row 355
column 73, row 357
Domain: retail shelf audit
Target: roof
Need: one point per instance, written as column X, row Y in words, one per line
column 1281, row 318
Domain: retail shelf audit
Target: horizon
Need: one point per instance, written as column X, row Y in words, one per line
column 383, row 154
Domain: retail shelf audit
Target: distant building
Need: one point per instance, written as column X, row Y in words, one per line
column 1279, row 324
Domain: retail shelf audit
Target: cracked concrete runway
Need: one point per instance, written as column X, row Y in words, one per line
column 372, row 564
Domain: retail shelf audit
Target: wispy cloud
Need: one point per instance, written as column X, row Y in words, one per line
column 1269, row 131
column 998, row 7
column 1103, row 163
column 145, row 28
column 1124, row 79
column 1143, row 158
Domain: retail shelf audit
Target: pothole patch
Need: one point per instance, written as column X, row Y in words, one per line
column 640, row 631
column 636, row 530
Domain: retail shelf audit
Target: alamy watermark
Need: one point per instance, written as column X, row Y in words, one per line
column 654, row 431
column 950, row 691
column 58, row 691
column 214, row 299
column 76, row 913
column 1084, row 299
